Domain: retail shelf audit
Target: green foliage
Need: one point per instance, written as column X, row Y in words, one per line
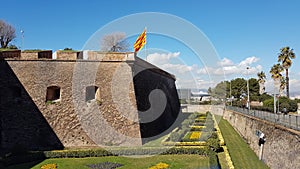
column 290, row 105
column 68, row 49
column 293, row 106
column 213, row 144
column 33, row 50
column 264, row 97
column 48, row 102
column 269, row 102
column 284, row 102
column 175, row 161
column 124, row 151
column 183, row 101
column 220, row 90
column 297, row 100
column 238, row 89
column 12, row 47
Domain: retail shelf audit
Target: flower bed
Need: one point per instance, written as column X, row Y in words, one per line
column 190, row 143
column 195, row 135
column 160, row 166
column 49, row 166
column 197, row 128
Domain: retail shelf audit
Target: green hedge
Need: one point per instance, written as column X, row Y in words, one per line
column 35, row 156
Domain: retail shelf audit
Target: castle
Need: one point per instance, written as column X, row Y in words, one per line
column 82, row 98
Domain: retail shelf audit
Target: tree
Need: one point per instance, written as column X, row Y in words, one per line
column 253, row 87
column 220, row 90
column 114, row 42
column 276, row 70
column 285, row 56
column 7, row 34
column 261, row 80
column 238, row 87
column 282, row 86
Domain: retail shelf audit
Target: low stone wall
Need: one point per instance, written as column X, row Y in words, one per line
column 104, row 56
column 31, row 55
column 10, row 54
column 282, row 147
column 69, row 55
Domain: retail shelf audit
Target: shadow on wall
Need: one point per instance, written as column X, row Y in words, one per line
column 22, row 125
column 157, row 119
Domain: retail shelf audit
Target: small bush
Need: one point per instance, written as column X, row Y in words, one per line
column 213, row 144
column 68, row 49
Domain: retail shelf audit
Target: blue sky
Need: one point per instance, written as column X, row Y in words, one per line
column 242, row 32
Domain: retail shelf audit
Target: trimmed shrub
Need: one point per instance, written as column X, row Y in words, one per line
column 213, row 143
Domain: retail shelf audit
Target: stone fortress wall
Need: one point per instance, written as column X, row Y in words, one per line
column 282, row 146
column 70, row 102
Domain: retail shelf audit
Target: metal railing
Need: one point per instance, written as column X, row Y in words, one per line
column 289, row 121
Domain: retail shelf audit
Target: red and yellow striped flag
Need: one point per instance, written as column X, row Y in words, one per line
column 140, row 41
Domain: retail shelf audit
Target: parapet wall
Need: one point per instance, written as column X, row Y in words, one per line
column 67, row 55
column 282, row 146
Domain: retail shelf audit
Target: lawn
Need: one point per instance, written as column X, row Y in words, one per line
column 241, row 154
column 175, row 162
column 222, row 160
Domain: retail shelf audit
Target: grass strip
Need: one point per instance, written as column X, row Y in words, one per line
column 241, row 154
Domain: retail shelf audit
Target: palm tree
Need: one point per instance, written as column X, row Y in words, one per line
column 261, row 80
column 285, row 56
column 276, row 70
column 282, row 85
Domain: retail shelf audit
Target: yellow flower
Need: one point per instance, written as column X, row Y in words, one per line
column 160, row 166
column 49, row 166
column 195, row 135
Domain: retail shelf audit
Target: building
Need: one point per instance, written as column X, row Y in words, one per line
column 69, row 101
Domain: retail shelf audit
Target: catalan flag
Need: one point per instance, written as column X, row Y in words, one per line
column 140, row 41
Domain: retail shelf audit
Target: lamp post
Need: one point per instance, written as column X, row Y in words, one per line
column 230, row 94
column 22, row 45
column 248, row 95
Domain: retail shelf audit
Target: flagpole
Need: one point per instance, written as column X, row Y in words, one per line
column 140, row 42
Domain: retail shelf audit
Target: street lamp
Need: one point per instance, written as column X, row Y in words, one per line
column 22, row 33
column 248, row 99
column 230, row 94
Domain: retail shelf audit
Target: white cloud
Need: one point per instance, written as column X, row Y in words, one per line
column 161, row 58
column 225, row 62
column 228, row 67
column 248, row 61
column 180, row 68
column 294, row 85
